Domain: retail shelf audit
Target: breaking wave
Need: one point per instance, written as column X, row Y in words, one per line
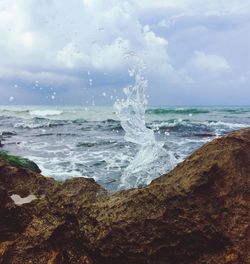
column 45, row 113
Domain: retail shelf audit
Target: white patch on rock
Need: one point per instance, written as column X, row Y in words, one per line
column 18, row 200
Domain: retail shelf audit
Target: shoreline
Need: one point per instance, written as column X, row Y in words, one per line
column 196, row 213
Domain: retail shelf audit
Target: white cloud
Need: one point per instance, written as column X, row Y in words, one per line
column 94, row 35
column 153, row 40
column 61, row 39
column 70, row 56
column 210, row 62
column 31, row 77
column 206, row 7
column 111, row 56
column 27, row 39
column 88, row 3
column 166, row 23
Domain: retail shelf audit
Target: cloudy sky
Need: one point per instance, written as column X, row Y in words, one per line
column 196, row 52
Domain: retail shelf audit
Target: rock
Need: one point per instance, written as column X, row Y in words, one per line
column 197, row 213
column 19, row 162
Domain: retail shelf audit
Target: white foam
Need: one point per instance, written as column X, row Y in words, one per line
column 225, row 124
column 30, row 124
column 45, row 113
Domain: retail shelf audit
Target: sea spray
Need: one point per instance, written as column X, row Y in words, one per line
column 151, row 159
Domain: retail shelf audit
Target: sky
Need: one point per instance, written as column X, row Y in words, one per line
column 80, row 52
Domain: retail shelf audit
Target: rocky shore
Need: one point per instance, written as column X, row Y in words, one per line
column 197, row 213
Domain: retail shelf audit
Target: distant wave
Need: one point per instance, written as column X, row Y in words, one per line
column 235, row 111
column 79, row 121
column 205, row 128
column 38, row 122
column 183, row 127
column 32, row 113
column 93, row 144
column 225, row 124
column 163, row 111
column 45, row 113
column 13, row 111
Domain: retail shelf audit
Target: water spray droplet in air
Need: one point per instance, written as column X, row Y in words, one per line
column 11, row 99
column 152, row 159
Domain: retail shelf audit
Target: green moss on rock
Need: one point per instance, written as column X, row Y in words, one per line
column 17, row 161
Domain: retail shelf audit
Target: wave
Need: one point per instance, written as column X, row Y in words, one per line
column 106, row 125
column 38, row 122
column 200, row 129
column 111, row 124
column 42, row 113
column 79, row 121
column 45, row 113
column 225, row 124
column 110, row 121
column 235, row 110
column 93, row 144
column 44, row 135
column 163, row 111
column 15, row 111
column 186, row 128
column 34, row 126
column 8, row 133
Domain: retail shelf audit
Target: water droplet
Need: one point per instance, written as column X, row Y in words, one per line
column 11, row 98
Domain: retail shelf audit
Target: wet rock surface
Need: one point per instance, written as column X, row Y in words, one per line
column 197, row 213
column 19, row 162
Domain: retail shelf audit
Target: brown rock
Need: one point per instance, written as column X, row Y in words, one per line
column 197, row 213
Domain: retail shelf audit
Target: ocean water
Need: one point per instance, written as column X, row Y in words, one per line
column 77, row 141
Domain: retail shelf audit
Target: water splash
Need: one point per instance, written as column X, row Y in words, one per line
column 152, row 159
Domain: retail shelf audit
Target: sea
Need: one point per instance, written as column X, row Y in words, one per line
column 100, row 142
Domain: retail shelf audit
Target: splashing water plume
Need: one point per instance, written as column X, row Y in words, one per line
column 148, row 162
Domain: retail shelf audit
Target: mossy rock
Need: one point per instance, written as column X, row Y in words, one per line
column 17, row 161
